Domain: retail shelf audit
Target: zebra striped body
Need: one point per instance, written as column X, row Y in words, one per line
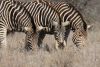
column 48, row 19
column 77, row 24
column 13, row 17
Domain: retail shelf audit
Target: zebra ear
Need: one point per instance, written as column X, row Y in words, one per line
column 89, row 26
column 40, row 28
column 55, row 23
column 65, row 23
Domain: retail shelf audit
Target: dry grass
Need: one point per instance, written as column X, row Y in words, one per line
column 15, row 56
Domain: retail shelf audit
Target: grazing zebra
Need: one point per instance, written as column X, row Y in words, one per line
column 77, row 24
column 13, row 17
column 48, row 19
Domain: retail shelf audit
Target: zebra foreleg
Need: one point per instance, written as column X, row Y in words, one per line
column 31, row 41
column 27, row 41
column 66, row 36
column 40, row 39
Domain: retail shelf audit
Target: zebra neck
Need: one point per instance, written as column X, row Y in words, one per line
column 31, row 7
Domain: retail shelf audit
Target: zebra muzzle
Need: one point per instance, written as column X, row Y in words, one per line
column 61, row 45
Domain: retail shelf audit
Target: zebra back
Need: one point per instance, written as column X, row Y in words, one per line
column 47, row 18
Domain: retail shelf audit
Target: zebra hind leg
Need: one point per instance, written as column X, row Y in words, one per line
column 3, row 32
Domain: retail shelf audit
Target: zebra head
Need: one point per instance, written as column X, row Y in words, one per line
column 80, row 36
column 59, row 34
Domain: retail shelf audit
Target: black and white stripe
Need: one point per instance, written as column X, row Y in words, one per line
column 48, row 19
column 77, row 24
column 71, row 14
column 13, row 17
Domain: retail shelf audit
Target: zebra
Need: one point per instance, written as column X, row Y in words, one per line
column 47, row 20
column 77, row 24
column 14, row 17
